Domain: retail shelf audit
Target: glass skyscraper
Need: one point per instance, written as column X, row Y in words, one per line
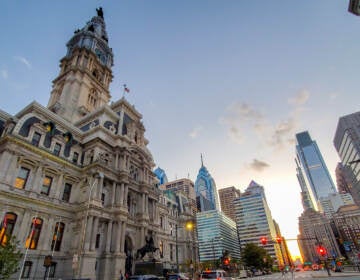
column 313, row 175
column 216, row 233
column 254, row 220
column 205, row 190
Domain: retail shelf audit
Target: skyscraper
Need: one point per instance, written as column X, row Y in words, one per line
column 227, row 196
column 205, row 190
column 254, row 220
column 347, row 144
column 216, row 233
column 311, row 168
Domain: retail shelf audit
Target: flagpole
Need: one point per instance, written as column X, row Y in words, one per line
column 27, row 247
column 53, row 249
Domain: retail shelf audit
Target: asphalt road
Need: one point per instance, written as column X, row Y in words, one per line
column 303, row 275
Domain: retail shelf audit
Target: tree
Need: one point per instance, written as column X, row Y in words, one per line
column 255, row 256
column 9, row 258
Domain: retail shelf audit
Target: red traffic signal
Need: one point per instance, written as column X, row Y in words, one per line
column 321, row 250
column 278, row 239
column 263, row 240
column 226, row 261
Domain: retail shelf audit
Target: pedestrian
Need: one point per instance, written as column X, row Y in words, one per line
column 121, row 275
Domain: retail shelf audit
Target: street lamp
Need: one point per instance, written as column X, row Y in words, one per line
column 189, row 227
column 82, row 243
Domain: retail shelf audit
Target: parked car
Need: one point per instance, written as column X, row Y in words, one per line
column 177, row 276
column 144, row 277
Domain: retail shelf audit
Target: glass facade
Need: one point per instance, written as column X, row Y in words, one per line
column 205, row 187
column 313, row 169
column 254, row 220
column 216, row 233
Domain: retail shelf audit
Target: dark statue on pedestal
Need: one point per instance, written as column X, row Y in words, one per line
column 148, row 248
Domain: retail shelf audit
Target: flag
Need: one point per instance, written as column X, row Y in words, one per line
column 126, row 89
column 5, row 222
column 30, row 243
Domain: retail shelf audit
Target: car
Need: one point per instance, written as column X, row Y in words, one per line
column 217, row 274
column 144, row 277
column 177, row 276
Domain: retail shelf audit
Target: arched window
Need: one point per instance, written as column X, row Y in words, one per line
column 7, row 227
column 34, row 234
column 57, row 236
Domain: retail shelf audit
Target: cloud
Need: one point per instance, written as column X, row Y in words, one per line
column 4, row 74
column 194, row 133
column 300, row 98
column 238, row 116
column 258, row 165
column 23, row 60
column 283, row 133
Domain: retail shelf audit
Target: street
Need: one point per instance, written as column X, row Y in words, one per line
column 311, row 275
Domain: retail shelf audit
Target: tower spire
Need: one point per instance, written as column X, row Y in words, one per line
column 202, row 163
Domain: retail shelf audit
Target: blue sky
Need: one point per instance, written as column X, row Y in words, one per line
column 233, row 80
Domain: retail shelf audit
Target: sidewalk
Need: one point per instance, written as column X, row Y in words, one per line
column 324, row 274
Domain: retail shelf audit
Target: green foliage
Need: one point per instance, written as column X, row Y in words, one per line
column 9, row 258
column 255, row 256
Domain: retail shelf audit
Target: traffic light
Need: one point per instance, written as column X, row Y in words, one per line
column 263, row 240
column 278, row 239
column 226, row 261
column 321, row 250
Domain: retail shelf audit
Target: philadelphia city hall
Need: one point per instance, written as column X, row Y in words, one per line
column 77, row 187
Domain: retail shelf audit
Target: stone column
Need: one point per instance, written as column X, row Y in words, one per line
column 122, row 243
column 94, row 233
column 44, row 242
column 114, row 192
column 8, row 165
column 126, row 190
column 118, row 237
column 88, row 233
column 37, row 180
column 99, row 188
column 24, row 227
column 59, row 187
column 122, row 192
column 108, row 237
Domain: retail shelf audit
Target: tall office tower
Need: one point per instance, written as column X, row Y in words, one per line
column 307, row 196
column 313, row 170
column 347, row 144
column 227, row 196
column 315, row 228
column 161, row 175
column 342, row 179
column 216, row 233
column 205, row 190
column 76, row 178
column 254, row 221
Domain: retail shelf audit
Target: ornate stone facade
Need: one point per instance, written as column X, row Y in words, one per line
column 76, row 179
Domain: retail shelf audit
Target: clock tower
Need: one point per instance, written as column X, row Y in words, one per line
column 82, row 85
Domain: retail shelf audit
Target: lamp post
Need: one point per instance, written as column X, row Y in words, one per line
column 189, row 227
column 82, row 243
